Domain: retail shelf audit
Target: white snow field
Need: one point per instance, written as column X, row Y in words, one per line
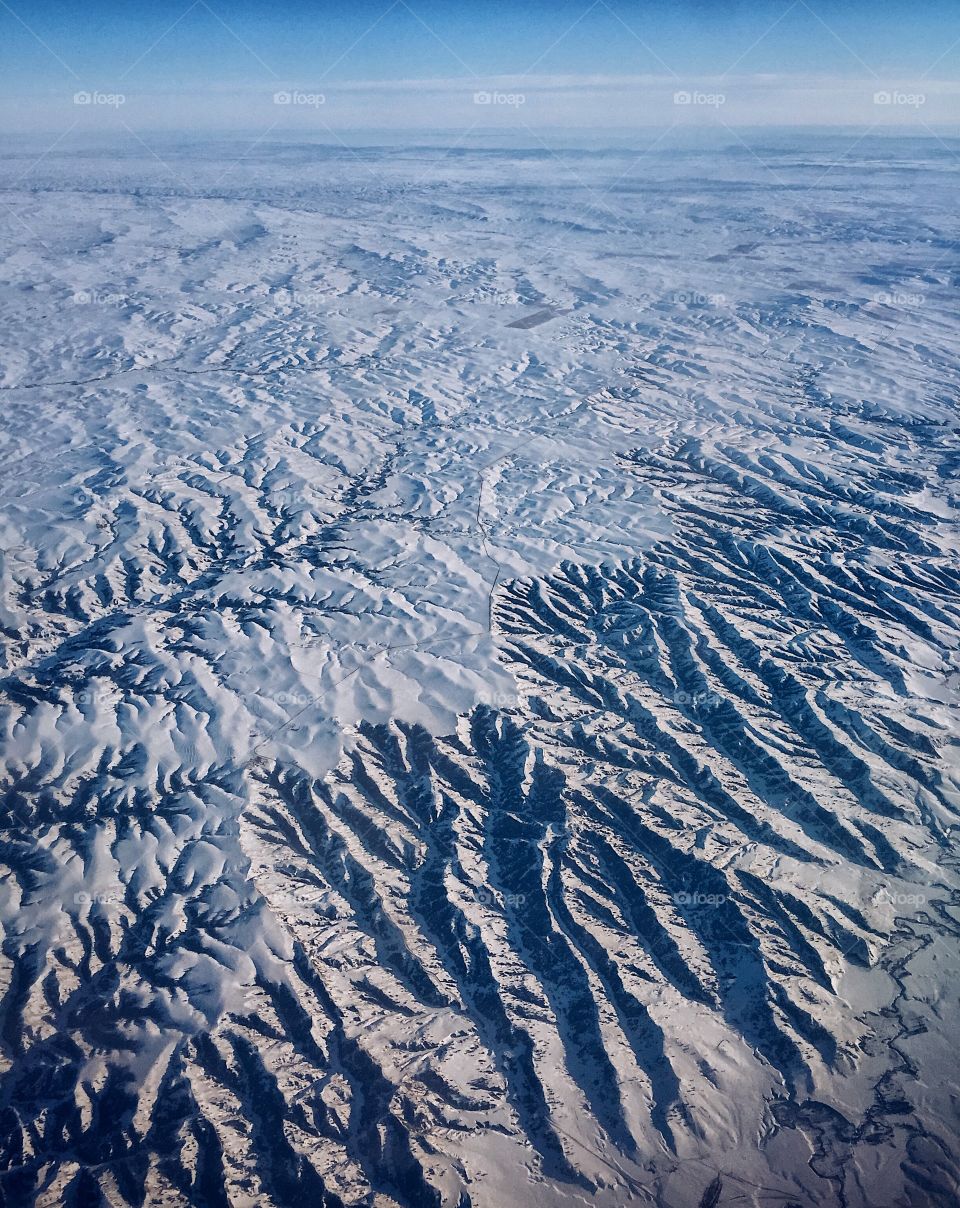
column 480, row 680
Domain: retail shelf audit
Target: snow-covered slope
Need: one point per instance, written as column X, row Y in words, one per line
column 480, row 676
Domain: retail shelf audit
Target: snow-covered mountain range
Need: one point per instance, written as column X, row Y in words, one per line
column 480, row 679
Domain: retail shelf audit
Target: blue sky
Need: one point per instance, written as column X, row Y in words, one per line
column 178, row 63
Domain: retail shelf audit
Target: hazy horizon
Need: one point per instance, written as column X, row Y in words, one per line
column 399, row 65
